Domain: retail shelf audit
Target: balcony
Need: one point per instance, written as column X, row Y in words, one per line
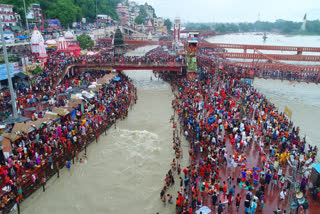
column 5, row 20
column 6, row 13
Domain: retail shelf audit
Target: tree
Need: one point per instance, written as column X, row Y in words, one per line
column 68, row 11
column 244, row 27
column 221, row 28
column 141, row 19
column 85, row 41
column 168, row 24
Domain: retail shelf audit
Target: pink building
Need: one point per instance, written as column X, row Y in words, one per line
column 123, row 13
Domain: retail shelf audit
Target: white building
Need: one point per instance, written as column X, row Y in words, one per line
column 8, row 17
column 36, row 40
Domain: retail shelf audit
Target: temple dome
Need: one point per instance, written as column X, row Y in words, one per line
column 69, row 35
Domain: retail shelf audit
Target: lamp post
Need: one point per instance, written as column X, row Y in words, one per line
column 13, row 97
column 25, row 16
column 96, row 8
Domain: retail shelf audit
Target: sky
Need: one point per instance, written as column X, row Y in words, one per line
column 235, row 10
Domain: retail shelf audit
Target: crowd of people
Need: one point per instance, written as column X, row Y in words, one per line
column 53, row 72
column 238, row 141
column 208, row 57
column 43, row 151
column 241, row 146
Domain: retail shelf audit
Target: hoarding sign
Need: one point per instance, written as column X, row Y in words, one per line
column 53, row 23
column 3, row 71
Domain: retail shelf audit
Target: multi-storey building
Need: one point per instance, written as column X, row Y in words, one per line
column 35, row 17
column 8, row 17
column 123, row 13
column 158, row 22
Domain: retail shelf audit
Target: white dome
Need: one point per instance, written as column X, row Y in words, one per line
column 51, row 42
column 69, row 35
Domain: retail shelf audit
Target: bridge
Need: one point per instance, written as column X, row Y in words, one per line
column 15, row 44
column 294, row 57
column 175, row 67
column 285, row 57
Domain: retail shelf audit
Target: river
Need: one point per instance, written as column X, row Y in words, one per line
column 125, row 170
column 301, row 98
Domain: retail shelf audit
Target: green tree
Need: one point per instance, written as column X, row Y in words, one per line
column 141, row 19
column 168, row 24
column 85, row 41
column 221, row 28
column 244, row 27
column 68, row 11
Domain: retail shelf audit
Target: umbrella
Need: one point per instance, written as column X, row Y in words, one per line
column 11, row 120
column 116, row 79
column 257, row 169
column 31, row 109
column 203, row 210
column 62, row 94
column 22, row 37
column 249, row 172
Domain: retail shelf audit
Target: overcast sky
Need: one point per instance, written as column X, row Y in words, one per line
column 235, row 10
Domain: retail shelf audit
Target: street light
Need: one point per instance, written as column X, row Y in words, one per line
column 25, row 16
column 13, row 99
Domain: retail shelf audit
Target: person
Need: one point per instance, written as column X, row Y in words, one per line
column 214, row 199
column 238, row 200
column 253, row 206
column 170, row 199
column 43, row 181
column 282, row 195
column 68, row 164
column 247, row 205
column 220, row 208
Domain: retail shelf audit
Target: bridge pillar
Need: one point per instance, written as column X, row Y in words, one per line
column 245, row 50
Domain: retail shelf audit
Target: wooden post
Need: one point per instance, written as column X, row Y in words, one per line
column 57, row 165
column 18, row 204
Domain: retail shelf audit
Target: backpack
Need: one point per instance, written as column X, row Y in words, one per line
column 220, row 208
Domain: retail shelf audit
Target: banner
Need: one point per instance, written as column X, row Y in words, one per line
column 3, row 71
column 287, row 111
column 53, row 23
column 33, row 66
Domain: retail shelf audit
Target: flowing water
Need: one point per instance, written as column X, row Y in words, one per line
column 125, row 170
column 301, row 98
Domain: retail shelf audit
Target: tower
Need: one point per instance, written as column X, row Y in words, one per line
column 193, row 39
column 176, row 43
column 303, row 27
column 176, row 30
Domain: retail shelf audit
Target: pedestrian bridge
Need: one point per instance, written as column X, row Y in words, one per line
column 169, row 67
